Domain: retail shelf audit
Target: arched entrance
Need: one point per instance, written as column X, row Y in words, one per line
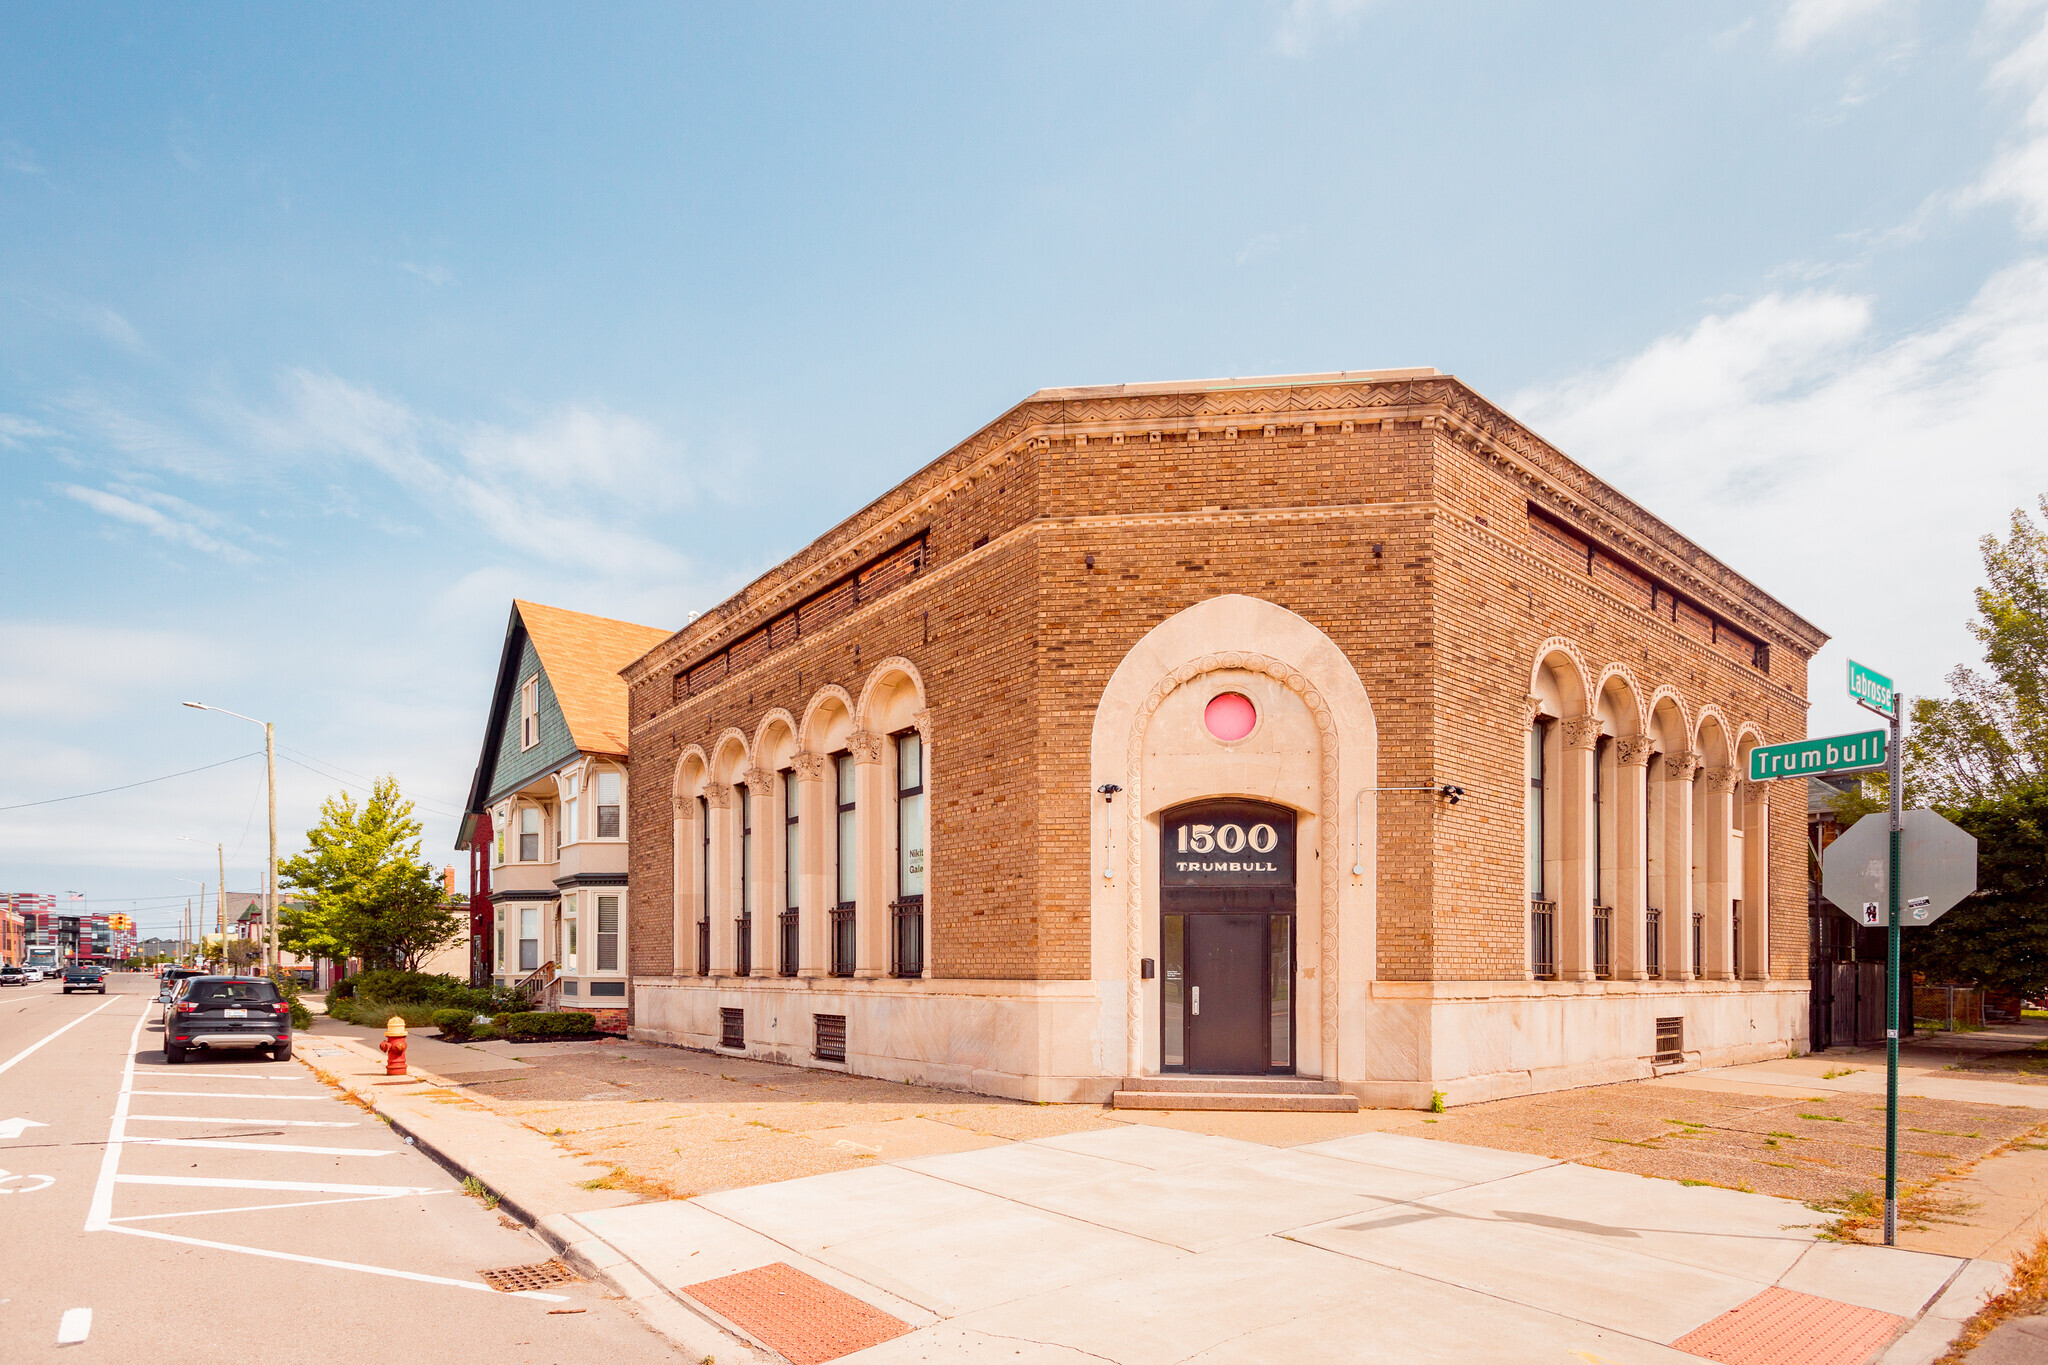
column 1226, row 904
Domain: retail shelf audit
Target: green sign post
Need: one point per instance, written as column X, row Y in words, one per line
column 1855, row 753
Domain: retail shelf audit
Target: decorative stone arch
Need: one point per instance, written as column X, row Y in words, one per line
column 1710, row 715
column 1686, row 721
column 1246, row 635
column 692, row 780
column 895, row 666
column 730, row 755
column 692, row 771
column 1637, row 715
column 1751, row 814
column 778, row 715
column 1577, row 697
column 824, row 697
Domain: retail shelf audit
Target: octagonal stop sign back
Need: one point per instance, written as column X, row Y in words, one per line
column 1937, row 861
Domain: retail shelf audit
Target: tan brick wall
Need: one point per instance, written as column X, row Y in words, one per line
column 1410, row 549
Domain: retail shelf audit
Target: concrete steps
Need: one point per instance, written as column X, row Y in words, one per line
column 1279, row 1094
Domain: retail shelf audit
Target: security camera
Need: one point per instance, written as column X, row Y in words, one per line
column 1451, row 794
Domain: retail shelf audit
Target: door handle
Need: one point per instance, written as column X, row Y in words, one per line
column 1196, row 993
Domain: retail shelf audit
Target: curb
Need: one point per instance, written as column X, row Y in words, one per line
column 589, row 1255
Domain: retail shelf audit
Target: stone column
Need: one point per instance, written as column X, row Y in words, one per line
column 1579, row 880
column 1631, row 836
column 814, row 835
column 875, row 817
column 1753, row 799
column 723, row 878
column 1715, row 788
column 1679, row 770
column 683, row 884
column 761, row 876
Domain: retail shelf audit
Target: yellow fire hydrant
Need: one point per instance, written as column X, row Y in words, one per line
column 393, row 1046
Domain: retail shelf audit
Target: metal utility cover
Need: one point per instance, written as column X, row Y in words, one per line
column 1936, row 860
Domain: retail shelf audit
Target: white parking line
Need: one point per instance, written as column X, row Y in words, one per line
column 74, row 1326
column 49, row 1038
column 99, row 1216
column 239, row 1123
column 258, row 1208
column 252, row 1146
column 200, row 1182
column 226, row 1095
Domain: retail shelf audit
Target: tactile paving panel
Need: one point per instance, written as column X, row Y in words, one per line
column 513, row 1278
column 1780, row 1327
column 803, row 1318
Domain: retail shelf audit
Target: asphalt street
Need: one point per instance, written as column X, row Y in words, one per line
column 235, row 1209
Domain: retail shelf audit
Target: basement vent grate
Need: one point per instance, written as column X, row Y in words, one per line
column 829, row 1044
column 732, row 1028
column 1671, row 1039
column 513, row 1278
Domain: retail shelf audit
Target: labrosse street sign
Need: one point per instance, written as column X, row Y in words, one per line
column 1818, row 757
column 1872, row 690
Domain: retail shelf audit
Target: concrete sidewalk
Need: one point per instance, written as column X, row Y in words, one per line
column 1145, row 1243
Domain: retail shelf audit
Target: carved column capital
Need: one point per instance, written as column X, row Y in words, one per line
column 865, row 745
column 679, row 804
column 1581, row 732
column 809, row 766
column 1633, row 751
column 1532, row 707
column 923, row 721
column 1681, row 766
column 759, row 779
column 1756, row 795
column 717, row 795
column 1718, row 781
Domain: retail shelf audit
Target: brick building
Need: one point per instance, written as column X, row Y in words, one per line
column 1328, row 726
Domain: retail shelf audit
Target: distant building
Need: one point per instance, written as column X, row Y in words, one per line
column 546, row 824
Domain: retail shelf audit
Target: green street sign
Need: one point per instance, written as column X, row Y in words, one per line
column 1818, row 757
column 1872, row 690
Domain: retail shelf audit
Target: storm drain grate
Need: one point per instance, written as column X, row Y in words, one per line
column 514, row 1278
column 1780, row 1327
column 805, row 1319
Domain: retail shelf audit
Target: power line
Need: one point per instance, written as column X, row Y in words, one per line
column 434, row 807
column 51, row 801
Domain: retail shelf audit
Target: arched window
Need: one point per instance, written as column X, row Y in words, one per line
column 846, row 880
column 743, row 922
column 1542, row 908
column 704, row 887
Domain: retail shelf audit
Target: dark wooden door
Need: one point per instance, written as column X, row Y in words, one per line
column 1228, row 1015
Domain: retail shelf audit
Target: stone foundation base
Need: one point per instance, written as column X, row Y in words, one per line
column 1399, row 1042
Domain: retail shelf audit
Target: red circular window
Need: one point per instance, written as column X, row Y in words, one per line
column 1230, row 715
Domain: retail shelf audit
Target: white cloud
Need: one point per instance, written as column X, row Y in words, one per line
column 1305, row 23
column 1806, row 22
column 435, row 275
column 62, row 672
column 132, row 506
column 1848, row 475
column 19, row 159
column 2018, row 174
column 16, row 431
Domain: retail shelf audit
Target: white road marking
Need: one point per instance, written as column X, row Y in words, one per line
column 256, row 1208
column 337, row 1265
column 13, row 1128
column 240, row 1123
column 74, row 1326
column 200, row 1182
column 7, row 1180
column 226, row 1095
column 49, row 1038
column 99, row 1217
column 251, row 1146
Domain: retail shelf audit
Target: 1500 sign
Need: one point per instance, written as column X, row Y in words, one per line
column 1233, row 843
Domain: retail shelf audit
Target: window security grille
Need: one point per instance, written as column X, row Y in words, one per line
column 1653, row 943
column 786, row 924
column 1543, row 939
column 906, row 937
column 829, row 1044
column 1603, row 942
column 1671, row 1039
column 1699, row 946
column 842, row 941
column 732, row 1028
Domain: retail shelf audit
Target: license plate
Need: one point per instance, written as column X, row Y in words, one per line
column 236, row 1014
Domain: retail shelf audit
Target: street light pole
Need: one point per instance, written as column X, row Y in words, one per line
column 220, row 852
column 270, row 781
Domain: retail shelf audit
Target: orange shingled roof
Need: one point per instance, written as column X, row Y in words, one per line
column 583, row 656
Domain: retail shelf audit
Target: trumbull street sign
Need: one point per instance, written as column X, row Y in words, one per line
column 1818, row 757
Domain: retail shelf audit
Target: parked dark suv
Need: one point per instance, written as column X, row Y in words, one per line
column 228, row 1012
column 85, row 976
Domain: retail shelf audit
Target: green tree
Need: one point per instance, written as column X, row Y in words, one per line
column 1991, row 735
column 1999, row 937
column 366, row 891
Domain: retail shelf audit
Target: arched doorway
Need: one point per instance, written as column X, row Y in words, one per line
column 1226, row 904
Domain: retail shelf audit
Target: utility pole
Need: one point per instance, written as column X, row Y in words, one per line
column 270, row 769
column 222, row 891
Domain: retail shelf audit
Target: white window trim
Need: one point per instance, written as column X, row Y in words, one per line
column 529, row 713
column 593, row 972
column 590, row 788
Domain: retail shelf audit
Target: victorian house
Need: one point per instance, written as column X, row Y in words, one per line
column 546, row 820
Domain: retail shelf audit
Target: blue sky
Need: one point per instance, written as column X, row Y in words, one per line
column 329, row 330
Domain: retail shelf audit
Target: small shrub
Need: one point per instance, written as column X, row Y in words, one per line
column 455, row 1025
column 1436, row 1101
column 537, row 1025
column 343, row 989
